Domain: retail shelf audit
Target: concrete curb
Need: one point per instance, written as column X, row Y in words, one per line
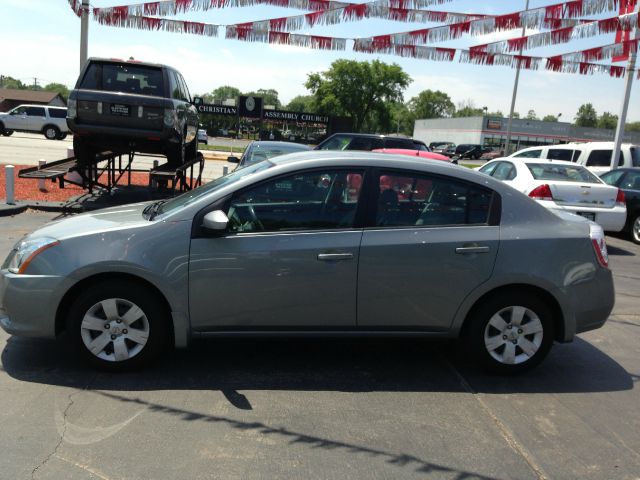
column 10, row 210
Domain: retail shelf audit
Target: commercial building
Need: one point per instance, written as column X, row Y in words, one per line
column 492, row 132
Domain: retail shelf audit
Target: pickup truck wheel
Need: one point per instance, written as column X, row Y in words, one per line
column 51, row 132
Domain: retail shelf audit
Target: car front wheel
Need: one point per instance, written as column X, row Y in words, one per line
column 118, row 326
column 511, row 333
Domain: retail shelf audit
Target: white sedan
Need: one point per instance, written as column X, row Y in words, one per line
column 565, row 186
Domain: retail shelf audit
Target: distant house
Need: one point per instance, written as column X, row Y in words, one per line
column 10, row 98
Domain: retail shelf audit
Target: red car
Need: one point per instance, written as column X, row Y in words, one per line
column 415, row 153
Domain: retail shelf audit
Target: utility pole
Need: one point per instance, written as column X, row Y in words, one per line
column 622, row 119
column 507, row 147
column 84, row 32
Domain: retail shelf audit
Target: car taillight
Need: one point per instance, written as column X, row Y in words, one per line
column 620, row 200
column 170, row 117
column 543, row 192
column 599, row 244
column 72, row 108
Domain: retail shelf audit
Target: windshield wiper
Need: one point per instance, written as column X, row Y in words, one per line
column 153, row 209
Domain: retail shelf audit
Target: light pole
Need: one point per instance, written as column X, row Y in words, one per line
column 84, row 32
column 507, row 147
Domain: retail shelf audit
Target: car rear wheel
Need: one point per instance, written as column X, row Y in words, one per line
column 511, row 333
column 118, row 326
column 635, row 229
column 51, row 132
column 83, row 151
column 62, row 136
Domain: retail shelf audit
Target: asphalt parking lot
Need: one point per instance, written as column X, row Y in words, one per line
column 326, row 409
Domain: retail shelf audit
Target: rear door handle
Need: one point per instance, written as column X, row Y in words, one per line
column 471, row 250
column 334, row 257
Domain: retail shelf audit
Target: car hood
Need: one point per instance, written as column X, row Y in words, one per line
column 108, row 219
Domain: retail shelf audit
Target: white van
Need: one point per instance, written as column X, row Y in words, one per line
column 596, row 156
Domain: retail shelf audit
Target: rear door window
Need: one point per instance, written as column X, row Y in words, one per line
column 57, row 112
column 602, row 158
column 560, row 154
column 631, row 181
column 408, row 199
column 635, row 156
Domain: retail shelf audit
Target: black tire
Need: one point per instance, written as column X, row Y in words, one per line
column 5, row 133
column 51, row 132
column 177, row 154
column 537, row 316
column 191, row 150
column 62, row 136
column 121, row 296
column 634, row 228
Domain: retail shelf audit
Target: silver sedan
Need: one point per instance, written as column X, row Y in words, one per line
column 315, row 242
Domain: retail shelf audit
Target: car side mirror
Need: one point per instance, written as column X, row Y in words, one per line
column 233, row 159
column 216, row 220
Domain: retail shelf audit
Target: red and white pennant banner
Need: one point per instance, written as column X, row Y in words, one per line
column 173, row 7
column 236, row 32
column 76, row 6
column 164, row 24
column 538, row 18
column 562, row 35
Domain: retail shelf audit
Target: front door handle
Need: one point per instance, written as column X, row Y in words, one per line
column 471, row 249
column 333, row 257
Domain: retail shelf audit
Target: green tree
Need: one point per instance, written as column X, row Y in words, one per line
column 10, row 82
column 301, row 103
column 269, row 96
column 402, row 119
column 221, row 94
column 632, row 127
column 63, row 90
column 468, row 109
column 586, row 116
column 531, row 115
column 431, row 104
column 361, row 90
column 550, row 118
column 608, row 121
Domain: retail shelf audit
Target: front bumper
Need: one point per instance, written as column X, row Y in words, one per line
column 28, row 304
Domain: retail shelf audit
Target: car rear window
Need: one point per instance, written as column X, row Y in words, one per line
column 126, row 78
column 58, row 112
column 564, row 173
column 635, row 156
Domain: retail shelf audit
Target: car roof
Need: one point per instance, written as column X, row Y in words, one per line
column 274, row 143
column 38, row 105
column 132, row 62
column 534, row 160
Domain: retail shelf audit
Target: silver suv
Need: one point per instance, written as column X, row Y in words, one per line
column 45, row 119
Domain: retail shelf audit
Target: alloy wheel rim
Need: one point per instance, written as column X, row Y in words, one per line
column 513, row 335
column 51, row 133
column 114, row 330
column 635, row 229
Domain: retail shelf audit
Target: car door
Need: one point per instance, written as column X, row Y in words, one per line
column 17, row 119
column 36, row 118
column 287, row 260
column 432, row 241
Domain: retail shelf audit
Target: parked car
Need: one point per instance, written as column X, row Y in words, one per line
column 202, row 136
column 491, row 154
column 441, row 147
column 465, row 150
column 596, row 156
column 628, row 180
column 258, row 151
column 284, row 246
column 366, row 141
column 414, row 153
column 45, row 119
column 122, row 105
column 564, row 186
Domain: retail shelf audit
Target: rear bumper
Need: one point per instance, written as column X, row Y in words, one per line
column 103, row 132
column 610, row 219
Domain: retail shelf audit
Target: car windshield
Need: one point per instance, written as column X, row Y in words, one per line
column 193, row 195
column 258, row 153
column 563, row 173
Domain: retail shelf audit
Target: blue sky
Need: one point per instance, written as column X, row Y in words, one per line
column 45, row 44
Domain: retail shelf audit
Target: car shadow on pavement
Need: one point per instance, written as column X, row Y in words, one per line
column 344, row 365
column 617, row 251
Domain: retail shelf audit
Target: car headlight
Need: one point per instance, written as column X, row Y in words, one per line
column 28, row 249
